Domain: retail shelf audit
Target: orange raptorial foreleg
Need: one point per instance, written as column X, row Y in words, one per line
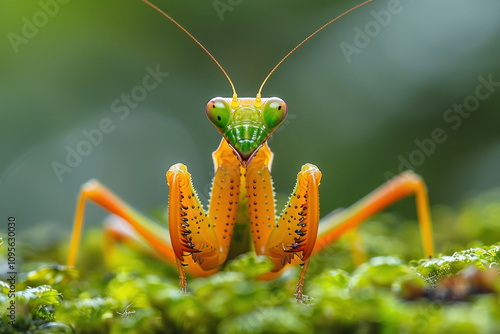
column 405, row 184
column 191, row 231
column 290, row 239
column 296, row 229
column 197, row 236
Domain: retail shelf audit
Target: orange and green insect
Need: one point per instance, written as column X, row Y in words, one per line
column 242, row 206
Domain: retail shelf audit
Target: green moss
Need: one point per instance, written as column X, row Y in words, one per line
column 482, row 258
column 393, row 292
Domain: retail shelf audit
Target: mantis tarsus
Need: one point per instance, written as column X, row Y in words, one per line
column 242, row 196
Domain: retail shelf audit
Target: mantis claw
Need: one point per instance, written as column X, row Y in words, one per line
column 299, row 292
column 182, row 275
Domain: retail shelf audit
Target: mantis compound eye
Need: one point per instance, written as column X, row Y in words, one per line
column 274, row 112
column 219, row 112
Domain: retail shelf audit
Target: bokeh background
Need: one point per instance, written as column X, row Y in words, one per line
column 354, row 120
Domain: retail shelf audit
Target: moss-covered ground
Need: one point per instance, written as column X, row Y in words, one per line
column 393, row 292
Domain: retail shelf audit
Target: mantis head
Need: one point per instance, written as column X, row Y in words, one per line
column 246, row 124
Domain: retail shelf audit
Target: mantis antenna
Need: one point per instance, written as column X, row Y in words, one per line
column 258, row 101
column 234, row 103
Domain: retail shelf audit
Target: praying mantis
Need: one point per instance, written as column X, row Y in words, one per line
column 242, row 198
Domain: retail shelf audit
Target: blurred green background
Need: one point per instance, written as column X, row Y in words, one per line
column 354, row 120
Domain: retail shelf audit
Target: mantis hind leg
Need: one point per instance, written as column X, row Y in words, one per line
column 407, row 183
column 128, row 226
